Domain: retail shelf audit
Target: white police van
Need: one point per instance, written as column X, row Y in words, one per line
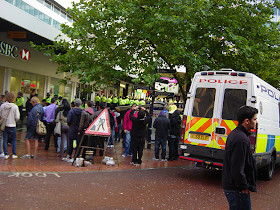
column 210, row 115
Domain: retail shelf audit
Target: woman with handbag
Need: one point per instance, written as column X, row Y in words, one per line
column 10, row 112
column 62, row 118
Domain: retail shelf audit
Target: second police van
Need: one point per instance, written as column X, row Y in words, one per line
column 210, row 115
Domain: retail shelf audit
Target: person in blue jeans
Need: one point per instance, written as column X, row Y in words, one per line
column 239, row 165
column 162, row 126
column 10, row 111
column 127, row 125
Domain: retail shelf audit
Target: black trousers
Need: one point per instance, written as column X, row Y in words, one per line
column 173, row 143
column 50, row 129
column 136, row 147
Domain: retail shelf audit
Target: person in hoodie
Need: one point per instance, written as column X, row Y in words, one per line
column 73, row 121
column 10, row 130
column 86, row 119
column 62, row 117
column 138, row 133
column 175, row 129
column 162, row 126
column 32, row 119
column 127, row 125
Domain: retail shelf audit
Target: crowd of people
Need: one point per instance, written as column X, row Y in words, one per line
column 75, row 117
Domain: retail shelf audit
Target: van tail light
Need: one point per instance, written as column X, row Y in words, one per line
column 184, row 124
column 253, row 139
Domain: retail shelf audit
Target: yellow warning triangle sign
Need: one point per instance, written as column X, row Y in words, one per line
column 101, row 125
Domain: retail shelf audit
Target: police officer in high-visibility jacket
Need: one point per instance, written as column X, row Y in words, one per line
column 48, row 98
column 19, row 102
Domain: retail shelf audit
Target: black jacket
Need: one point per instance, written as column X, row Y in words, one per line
column 175, row 122
column 239, row 169
column 73, row 120
column 139, row 126
column 162, row 126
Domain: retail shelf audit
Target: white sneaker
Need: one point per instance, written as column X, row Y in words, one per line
column 26, row 156
column 14, row 156
column 6, row 157
column 155, row 159
column 163, row 159
column 2, row 155
column 70, row 160
column 124, row 155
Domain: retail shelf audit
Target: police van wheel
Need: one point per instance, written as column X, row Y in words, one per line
column 269, row 169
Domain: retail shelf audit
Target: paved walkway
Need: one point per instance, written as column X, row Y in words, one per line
column 48, row 161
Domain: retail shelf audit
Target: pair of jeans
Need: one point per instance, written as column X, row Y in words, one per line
column 64, row 139
column 112, row 137
column 12, row 132
column 1, row 142
column 127, row 143
column 160, row 142
column 238, row 200
column 118, row 134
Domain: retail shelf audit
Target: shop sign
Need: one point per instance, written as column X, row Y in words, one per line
column 8, row 50
column 11, row 50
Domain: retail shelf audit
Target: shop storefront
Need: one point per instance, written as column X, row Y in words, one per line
column 25, row 70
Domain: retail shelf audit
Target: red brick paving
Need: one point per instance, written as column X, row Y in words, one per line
column 48, row 161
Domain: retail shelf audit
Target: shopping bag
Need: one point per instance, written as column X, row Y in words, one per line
column 57, row 129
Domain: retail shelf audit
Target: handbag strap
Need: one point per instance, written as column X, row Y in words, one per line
column 8, row 113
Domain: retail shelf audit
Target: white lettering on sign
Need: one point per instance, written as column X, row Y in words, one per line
column 8, row 50
column 28, row 174
column 234, row 82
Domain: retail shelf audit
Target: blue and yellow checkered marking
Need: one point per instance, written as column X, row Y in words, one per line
column 266, row 142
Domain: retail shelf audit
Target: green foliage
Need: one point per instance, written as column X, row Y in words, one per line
column 140, row 36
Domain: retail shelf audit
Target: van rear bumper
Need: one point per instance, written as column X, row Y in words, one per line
column 208, row 164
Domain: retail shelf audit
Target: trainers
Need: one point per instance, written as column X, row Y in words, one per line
column 33, row 156
column 14, row 156
column 124, row 155
column 132, row 163
column 137, row 164
column 156, row 159
column 163, row 159
column 26, row 156
column 70, row 160
column 2, row 155
column 65, row 159
column 6, row 157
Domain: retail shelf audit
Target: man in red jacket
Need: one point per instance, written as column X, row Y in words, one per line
column 127, row 125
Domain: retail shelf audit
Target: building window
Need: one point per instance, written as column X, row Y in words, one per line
column 48, row 4
column 10, row 1
column 56, row 25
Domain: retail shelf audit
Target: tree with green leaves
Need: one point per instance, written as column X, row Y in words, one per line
column 111, row 39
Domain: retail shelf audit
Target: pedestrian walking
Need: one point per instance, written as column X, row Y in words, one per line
column 239, row 166
column 10, row 111
column 73, row 121
column 127, row 125
column 2, row 100
column 50, row 116
column 175, row 129
column 62, row 117
column 138, row 133
column 37, row 112
column 162, row 126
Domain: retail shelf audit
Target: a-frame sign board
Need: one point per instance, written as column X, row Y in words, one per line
column 100, row 126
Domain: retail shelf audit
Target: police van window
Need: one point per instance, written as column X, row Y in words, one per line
column 204, row 102
column 233, row 100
